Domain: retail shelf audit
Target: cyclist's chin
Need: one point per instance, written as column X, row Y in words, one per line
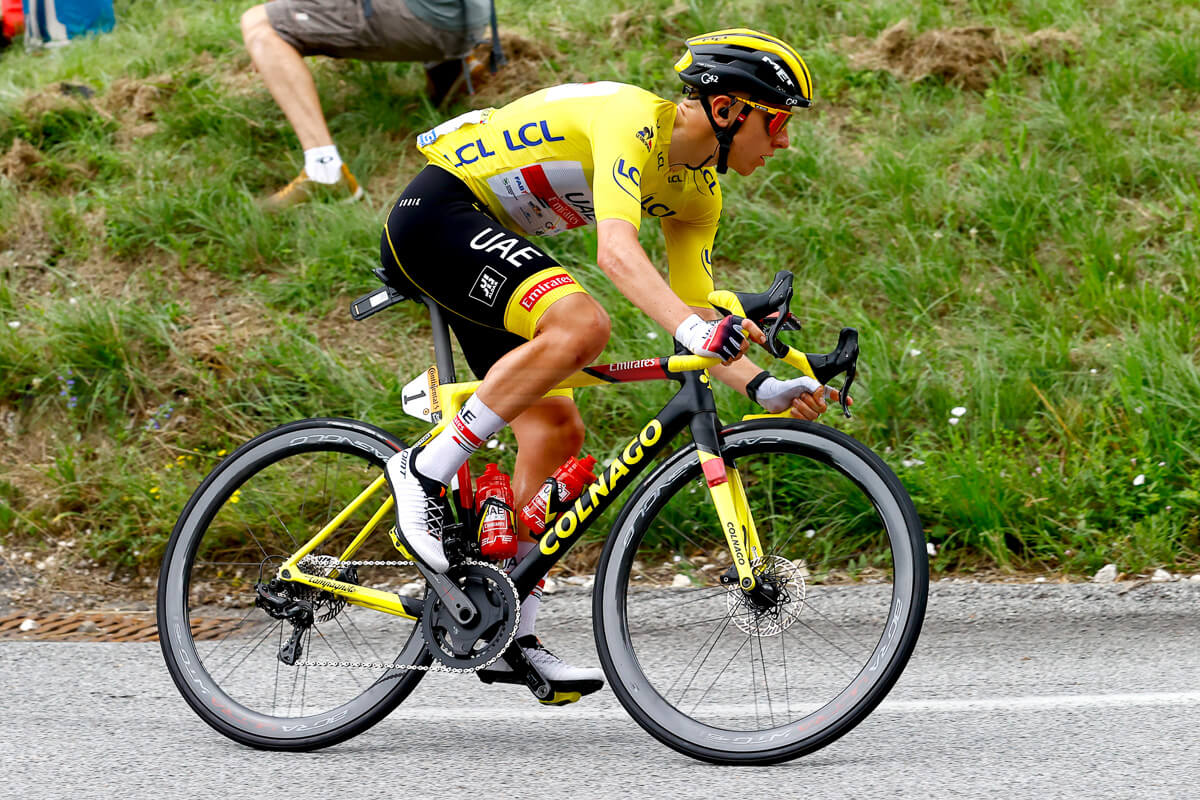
column 746, row 167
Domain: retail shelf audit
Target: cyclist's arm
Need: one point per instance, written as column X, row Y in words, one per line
column 620, row 255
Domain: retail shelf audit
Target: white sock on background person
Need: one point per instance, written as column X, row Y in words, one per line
column 323, row 164
column 466, row 433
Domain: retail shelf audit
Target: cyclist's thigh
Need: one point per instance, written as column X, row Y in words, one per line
column 441, row 239
column 483, row 346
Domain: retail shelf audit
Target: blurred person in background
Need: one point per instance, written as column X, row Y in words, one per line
column 280, row 33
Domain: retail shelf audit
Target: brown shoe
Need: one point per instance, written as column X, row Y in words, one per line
column 303, row 188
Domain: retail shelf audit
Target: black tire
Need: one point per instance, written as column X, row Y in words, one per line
column 704, row 670
column 256, row 507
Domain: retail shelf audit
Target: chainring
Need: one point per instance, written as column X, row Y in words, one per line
column 471, row 646
column 787, row 579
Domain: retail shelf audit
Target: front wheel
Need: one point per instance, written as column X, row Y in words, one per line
column 252, row 674
column 733, row 678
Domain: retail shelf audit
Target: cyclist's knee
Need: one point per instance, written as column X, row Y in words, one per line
column 579, row 326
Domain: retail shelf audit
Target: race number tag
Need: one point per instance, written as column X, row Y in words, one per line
column 419, row 397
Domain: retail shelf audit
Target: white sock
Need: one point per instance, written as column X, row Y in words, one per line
column 530, row 605
column 466, row 433
column 323, row 164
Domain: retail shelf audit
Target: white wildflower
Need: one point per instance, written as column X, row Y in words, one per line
column 1139, row 480
column 958, row 411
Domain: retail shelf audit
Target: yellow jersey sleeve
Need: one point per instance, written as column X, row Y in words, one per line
column 622, row 139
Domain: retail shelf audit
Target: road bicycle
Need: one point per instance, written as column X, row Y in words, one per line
column 760, row 592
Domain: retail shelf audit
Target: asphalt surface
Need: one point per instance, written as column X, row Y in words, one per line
column 1032, row 690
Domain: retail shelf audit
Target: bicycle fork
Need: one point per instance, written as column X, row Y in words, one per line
column 729, row 498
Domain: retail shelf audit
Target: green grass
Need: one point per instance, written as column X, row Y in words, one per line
column 1029, row 253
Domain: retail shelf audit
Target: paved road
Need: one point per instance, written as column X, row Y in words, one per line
column 1040, row 691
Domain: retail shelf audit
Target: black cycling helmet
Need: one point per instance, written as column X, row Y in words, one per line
column 767, row 69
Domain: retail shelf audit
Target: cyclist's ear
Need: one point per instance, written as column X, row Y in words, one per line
column 722, row 105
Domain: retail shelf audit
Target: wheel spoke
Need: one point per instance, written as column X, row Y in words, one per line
column 274, row 494
column 698, row 665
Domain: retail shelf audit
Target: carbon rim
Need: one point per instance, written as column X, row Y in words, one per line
column 729, row 693
column 256, row 507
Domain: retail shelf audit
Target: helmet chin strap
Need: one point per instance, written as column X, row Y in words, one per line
column 724, row 135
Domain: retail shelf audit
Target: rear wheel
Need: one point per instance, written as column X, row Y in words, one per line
column 251, row 513
column 738, row 679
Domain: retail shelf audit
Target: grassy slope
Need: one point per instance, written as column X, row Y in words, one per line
column 1028, row 253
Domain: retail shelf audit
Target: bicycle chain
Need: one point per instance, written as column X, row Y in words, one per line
column 435, row 666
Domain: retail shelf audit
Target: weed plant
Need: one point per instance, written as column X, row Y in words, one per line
column 1021, row 264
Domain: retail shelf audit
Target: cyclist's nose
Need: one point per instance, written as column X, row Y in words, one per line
column 780, row 140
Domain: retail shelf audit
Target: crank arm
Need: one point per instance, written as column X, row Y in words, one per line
column 536, row 682
column 451, row 595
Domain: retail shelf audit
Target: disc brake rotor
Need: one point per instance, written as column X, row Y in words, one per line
column 471, row 645
column 786, row 581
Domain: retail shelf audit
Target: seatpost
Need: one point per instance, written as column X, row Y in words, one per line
column 441, row 341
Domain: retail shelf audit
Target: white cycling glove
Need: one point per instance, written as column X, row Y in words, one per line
column 775, row 395
column 721, row 338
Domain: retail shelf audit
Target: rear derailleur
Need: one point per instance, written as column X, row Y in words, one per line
column 274, row 599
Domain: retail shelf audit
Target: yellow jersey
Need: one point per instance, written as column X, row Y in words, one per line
column 572, row 155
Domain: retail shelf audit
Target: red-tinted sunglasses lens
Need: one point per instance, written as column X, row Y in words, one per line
column 778, row 123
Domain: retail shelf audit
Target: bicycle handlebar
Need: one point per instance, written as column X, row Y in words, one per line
column 770, row 310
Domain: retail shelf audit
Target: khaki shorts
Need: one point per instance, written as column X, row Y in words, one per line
column 369, row 30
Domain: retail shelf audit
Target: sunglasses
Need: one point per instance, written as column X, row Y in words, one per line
column 776, row 119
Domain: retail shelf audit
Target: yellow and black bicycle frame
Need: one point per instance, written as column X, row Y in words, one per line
column 691, row 407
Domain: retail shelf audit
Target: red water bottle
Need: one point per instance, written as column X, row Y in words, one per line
column 557, row 493
column 494, row 506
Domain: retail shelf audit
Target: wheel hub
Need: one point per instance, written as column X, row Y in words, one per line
column 775, row 604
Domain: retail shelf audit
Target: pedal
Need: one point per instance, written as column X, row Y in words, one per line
column 533, row 679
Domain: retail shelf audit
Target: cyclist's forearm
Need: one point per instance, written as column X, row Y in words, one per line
column 737, row 374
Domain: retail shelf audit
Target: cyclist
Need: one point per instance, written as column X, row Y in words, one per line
column 600, row 153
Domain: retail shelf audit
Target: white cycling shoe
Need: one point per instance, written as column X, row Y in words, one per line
column 567, row 683
column 419, row 510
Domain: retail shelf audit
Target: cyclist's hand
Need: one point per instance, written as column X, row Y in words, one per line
column 725, row 338
column 805, row 396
